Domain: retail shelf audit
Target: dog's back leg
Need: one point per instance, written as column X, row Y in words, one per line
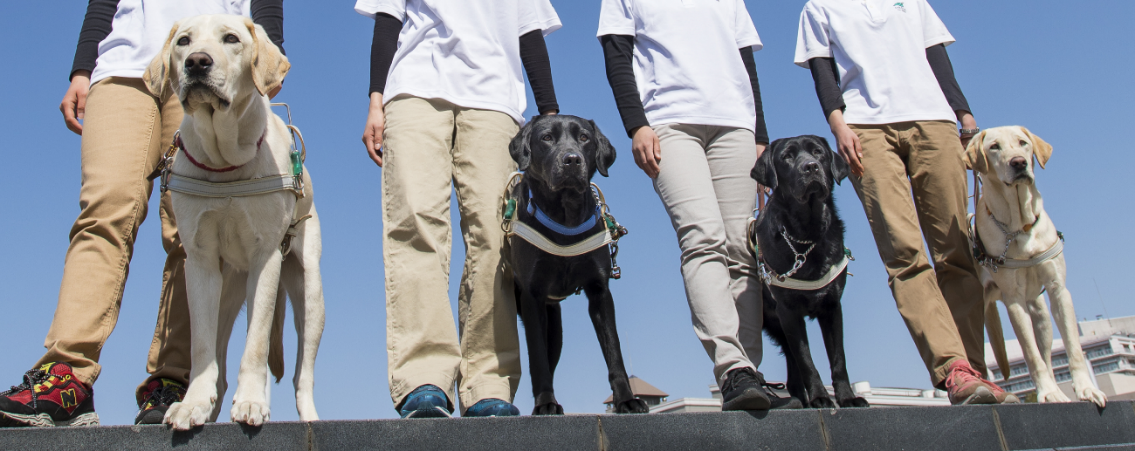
column 831, row 326
column 555, row 335
column 302, row 280
column 601, row 307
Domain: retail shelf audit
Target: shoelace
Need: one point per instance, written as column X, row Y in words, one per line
column 31, row 379
column 966, row 369
column 163, row 395
column 770, row 387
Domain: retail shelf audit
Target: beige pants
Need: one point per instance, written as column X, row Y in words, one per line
column 705, row 185
column 942, row 306
column 429, row 147
column 125, row 132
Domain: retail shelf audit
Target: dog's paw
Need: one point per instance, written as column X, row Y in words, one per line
column 1091, row 394
column 854, row 402
column 822, row 402
column 548, row 409
column 250, row 412
column 1053, row 396
column 186, row 415
column 632, row 406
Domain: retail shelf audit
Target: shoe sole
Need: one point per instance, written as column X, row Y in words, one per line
column 980, row 396
column 751, row 399
column 436, row 412
column 43, row 420
column 152, row 416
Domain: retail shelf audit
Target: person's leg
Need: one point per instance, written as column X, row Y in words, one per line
column 685, row 185
column 490, row 346
column 885, row 191
column 938, row 178
column 121, row 136
column 731, row 154
column 422, row 345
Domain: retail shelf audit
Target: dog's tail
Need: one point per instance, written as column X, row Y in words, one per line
column 276, row 337
column 996, row 336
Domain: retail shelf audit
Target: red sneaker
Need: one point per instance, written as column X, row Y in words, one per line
column 965, row 385
column 49, row 396
column 1002, row 396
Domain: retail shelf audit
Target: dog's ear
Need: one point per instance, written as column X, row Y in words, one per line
column 975, row 154
column 604, row 151
column 764, row 172
column 157, row 74
column 269, row 65
column 1041, row 149
column 838, row 165
column 520, row 146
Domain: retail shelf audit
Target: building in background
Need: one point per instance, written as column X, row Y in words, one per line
column 1108, row 344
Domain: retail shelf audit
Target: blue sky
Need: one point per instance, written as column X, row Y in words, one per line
column 1051, row 66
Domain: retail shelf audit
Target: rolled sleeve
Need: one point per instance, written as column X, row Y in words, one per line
column 744, row 31
column 812, row 41
column 538, row 15
column 615, row 17
column 394, row 8
column 934, row 32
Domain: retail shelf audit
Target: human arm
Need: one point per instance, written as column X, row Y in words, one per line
column 831, row 101
column 618, row 54
column 760, row 130
column 383, row 46
column 96, row 26
column 943, row 69
column 534, row 57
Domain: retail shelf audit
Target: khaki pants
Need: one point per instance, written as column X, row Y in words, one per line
column 429, row 147
column 705, row 185
column 943, row 306
column 126, row 130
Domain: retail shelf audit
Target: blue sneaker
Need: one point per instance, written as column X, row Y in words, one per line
column 427, row 401
column 492, row 407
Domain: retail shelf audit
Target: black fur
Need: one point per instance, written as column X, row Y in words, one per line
column 802, row 172
column 560, row 155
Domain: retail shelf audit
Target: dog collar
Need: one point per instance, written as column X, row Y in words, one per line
column 188, row 156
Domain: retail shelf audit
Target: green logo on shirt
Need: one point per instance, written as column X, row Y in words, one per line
column 900, row 6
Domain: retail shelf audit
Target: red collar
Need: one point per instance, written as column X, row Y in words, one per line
column 181, row 145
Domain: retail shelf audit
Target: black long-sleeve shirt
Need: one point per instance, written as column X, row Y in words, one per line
column 100, row 15
column 533, row 55
column 618, row 53
column 826, row 78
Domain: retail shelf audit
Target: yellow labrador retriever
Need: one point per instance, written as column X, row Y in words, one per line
column 250, row 246
column 1021, row 257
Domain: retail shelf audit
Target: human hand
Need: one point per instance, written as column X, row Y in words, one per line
column 847, row 142
column 376, row 124
column 647, row 150
column 968, row 123
column 74, row 102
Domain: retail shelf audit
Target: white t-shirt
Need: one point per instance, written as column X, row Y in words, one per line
column 141, row 27
column 879, row 47
column 687, row 66
column 466, row 52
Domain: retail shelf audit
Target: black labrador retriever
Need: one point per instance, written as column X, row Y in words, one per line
column 799, row 236
column 559, row 155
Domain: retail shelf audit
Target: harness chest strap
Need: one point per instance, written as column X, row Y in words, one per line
column 805, row 285
column 593, row 242
column 240, row 188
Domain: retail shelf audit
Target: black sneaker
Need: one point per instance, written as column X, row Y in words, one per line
column 788, row 402
column 743, row 390
column 155, row 400
column 49, row 396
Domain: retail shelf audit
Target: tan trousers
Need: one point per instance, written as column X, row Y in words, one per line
column 125, row 132
column 942, row 306
column 431, row 146
column 705, row 185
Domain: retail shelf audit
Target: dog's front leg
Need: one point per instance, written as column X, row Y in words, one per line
column 831, row 326
column 1065, row 317
column 796, row 337
column 601, row 306
column 1014, row 299
column 535, row 318
column 204, row 289
column 250, row 402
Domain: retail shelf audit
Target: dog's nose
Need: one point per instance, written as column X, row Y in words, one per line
column 811, row 167
column 198, row 63
column 573, row 159
column 1019, row 163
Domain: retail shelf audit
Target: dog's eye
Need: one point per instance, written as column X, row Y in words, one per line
column 1023, row 143
column 231, row 39
column 995, row 147
column 546, row 138
column 183, row 41
column 584, row 138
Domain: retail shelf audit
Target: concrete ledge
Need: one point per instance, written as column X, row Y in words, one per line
column 1073, row 426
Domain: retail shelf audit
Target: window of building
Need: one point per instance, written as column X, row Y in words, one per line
column 1106, row 367
column 1059, row 361
column 1063, row 376
column 1099, row 352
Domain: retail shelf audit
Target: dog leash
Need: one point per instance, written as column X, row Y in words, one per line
column 609, row 236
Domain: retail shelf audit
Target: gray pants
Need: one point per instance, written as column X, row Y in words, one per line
column 705, row 185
